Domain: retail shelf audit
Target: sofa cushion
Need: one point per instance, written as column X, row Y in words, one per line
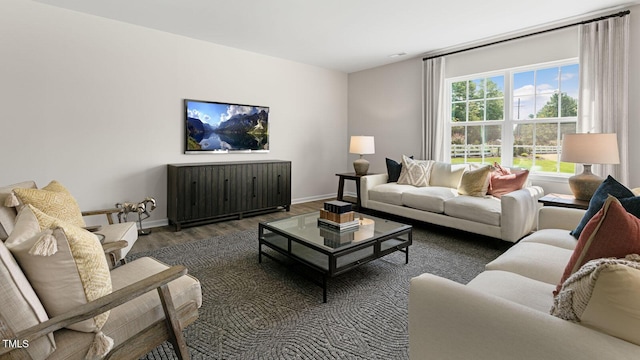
column 555, row 237
column 536, row 261
column 517, row 288
column 72, row 272
column 127, row 231
column 8, row 214
column 611, row 232
column 475, row 182
column 390, row 193
column 54, row 200
column 415, row 172
column 485, row 210
column 430, row 198
column 20, row 307
column 609, row 186
column 446, row 174
column 604, row 294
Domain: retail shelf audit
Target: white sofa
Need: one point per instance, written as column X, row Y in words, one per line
column 504, row 312
column 509, row 217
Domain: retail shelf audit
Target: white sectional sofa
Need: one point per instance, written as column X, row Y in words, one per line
column 509, row 217
column 504, row 313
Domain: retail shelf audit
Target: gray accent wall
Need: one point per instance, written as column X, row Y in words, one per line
column 97, row 104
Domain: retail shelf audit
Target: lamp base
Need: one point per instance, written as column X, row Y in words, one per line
column 584, row 185
column 361, row 166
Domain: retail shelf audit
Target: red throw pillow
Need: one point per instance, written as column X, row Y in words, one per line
column 611, row 232
column 502, row 181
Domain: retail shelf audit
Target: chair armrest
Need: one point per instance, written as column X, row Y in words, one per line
column 519, row 212
column 448, row 320
column 553, row 217
column 108, row 212
column 367, row 183
column 98, row 306
column 111, row 251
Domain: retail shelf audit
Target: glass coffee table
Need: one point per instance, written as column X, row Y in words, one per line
column 330, row 252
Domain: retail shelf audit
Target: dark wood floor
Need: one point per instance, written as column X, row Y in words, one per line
column 167, row 236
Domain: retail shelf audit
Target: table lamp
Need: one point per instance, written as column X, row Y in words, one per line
column 361, row 145
column 588, row 149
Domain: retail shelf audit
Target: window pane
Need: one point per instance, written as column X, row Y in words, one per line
column 546, row 150
column 523, row 107
column 569, row 90
column 523, row 145
column 495, row 87
column 567, row 167
column 523, row 91
column 476, row 89
column 495, row 109
column 476, row 110
column 458, row 142
column 459, row 91
column 458, row 112
column 493, row 142
column 547, row 106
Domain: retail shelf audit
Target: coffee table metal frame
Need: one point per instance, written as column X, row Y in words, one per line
column 338, row 260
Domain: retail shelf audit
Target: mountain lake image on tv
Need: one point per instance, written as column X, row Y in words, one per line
column 225, row 127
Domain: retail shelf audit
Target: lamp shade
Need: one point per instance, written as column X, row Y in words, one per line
column 362, row 145
column 590, row 149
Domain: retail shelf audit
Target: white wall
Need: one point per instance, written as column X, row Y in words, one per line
column 392, row 89
column 97, row 105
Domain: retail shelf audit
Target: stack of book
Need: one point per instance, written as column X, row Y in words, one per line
column 338, row 216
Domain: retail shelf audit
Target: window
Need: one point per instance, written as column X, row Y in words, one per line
column 516, row 117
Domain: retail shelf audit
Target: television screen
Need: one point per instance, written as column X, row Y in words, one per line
column 224, row 127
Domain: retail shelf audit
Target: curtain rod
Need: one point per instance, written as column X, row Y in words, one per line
column 620, row 14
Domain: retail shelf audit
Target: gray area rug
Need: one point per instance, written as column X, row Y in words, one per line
column 268, row 311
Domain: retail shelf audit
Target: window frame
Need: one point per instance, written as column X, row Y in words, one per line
column 508, row 122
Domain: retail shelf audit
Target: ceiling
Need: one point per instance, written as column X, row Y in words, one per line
column 344, row 35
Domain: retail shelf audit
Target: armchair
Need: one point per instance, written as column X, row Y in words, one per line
column 140, row 319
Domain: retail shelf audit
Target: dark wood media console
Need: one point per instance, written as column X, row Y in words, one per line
column 200, row 193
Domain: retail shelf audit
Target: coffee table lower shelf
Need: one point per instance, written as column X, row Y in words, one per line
column 333, row 262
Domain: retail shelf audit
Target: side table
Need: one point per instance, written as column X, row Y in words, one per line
column 349, row 176
column 563, row 200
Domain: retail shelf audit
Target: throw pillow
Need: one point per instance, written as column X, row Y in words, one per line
column 20, row 309
column 65, row 265
column 8, row 213
column 415, row 172
column 475, row 182
column 503, row 181
column 447, row 175
column 394, row 169
column 54, row 200
column 604, row 295
column 611, row 232
column 609, row 186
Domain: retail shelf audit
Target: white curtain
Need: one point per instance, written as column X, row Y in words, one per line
column 434, row 110
column 603, row 97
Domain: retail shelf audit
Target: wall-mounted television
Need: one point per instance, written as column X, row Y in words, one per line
column 218, row 127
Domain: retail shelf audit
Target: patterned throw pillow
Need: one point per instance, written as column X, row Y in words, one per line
column 65, row 265
column 475, row 182
column 604, row 295
column 54, row 200
column 415, row 172
column 611, row 232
